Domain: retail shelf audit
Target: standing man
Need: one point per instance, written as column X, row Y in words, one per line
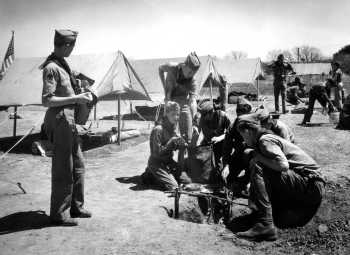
column 179, row 86
column 336, row 76
column 280, row 71
column 59, row 86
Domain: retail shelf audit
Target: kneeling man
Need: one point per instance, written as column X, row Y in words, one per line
column 162, row 170
column 286, row 184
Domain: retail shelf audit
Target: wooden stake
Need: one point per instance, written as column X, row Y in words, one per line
column 14, row 121
column 119, row 118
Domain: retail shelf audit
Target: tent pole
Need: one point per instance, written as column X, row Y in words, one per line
column 211, row 89
column 119, row 119
column 257, row 85
column 95, row 112
column 14, row 120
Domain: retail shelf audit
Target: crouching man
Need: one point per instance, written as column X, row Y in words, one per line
column 286, row 185
column 162, row 170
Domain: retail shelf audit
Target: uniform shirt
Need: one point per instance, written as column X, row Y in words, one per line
column 215, row 127
column 160, row 135
column 292, row 92
column 56, row 82
column 233, row 140
column 273, row 146
column 181, row 87
column 280, row 71
column 283, row 130
column 337, row 76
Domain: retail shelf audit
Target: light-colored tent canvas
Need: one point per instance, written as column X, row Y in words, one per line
column 22, row 84
column 311, row 68
column 243, row 71
column 147, row 69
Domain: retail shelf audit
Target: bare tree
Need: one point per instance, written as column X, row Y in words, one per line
column 307, row 53
column 236, row 55
column 273, row 54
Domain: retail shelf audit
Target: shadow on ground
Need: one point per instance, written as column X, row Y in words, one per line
column 139, row 185
column 22, row 221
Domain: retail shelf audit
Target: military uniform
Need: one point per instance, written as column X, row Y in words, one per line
column 338, row 89
column 292, row 197
column 161, row 168
column 215, row 127
column 319, row 93
column 280, row 71
column 67, row 180
column 183, row 90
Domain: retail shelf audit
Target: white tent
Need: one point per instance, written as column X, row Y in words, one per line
column 242, row 71
column 112, row 73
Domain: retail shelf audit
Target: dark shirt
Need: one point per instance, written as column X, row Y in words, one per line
column 174, row 79
column 160, row 135
column 280, row 71
column 233, row 140
column 214, row 127
column 336, row 76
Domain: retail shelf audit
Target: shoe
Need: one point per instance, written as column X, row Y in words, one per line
column 82, row 213
column 65, row 223
column 260, row 232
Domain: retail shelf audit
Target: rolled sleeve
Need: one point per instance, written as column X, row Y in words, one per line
column 49, row 83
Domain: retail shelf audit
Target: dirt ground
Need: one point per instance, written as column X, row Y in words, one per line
column 129, row 218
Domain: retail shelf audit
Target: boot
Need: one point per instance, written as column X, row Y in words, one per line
column 69, row 222
column 82, row 213
column 260, row 232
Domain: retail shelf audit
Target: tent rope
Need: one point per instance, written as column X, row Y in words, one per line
column 157, row 113
column 21, row 139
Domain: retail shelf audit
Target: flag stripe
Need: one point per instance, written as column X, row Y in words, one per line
column 9, row 56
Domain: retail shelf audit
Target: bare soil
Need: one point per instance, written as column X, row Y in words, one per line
column 129, row 218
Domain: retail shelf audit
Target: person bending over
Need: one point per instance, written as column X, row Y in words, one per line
column 318, row 92
column 286, row 184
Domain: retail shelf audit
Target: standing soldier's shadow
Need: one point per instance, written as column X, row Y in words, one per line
column 22, row 221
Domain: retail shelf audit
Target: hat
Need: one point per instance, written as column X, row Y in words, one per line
column 192, row 61
column 243, row 106
column 205, row 106
column 63, row 36
column 256, row 117
column 172, row 107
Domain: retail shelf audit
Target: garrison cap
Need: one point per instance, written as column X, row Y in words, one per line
column 205, row 106
column 63, row 36
column 255, row 118
column 243, row 106
column 193, row 61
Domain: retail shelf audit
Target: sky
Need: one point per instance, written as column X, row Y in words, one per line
column 161, row 28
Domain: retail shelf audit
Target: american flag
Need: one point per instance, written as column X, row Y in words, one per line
column 9, row 56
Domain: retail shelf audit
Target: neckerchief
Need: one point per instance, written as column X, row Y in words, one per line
column 61, row 62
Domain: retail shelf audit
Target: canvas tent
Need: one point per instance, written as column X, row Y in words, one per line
column 147, row 69
column 114, row 79
column 242, row 71
column 311, row 73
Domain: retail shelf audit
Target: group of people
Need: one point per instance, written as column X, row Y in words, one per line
column 256, row 150
column 329, row 93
